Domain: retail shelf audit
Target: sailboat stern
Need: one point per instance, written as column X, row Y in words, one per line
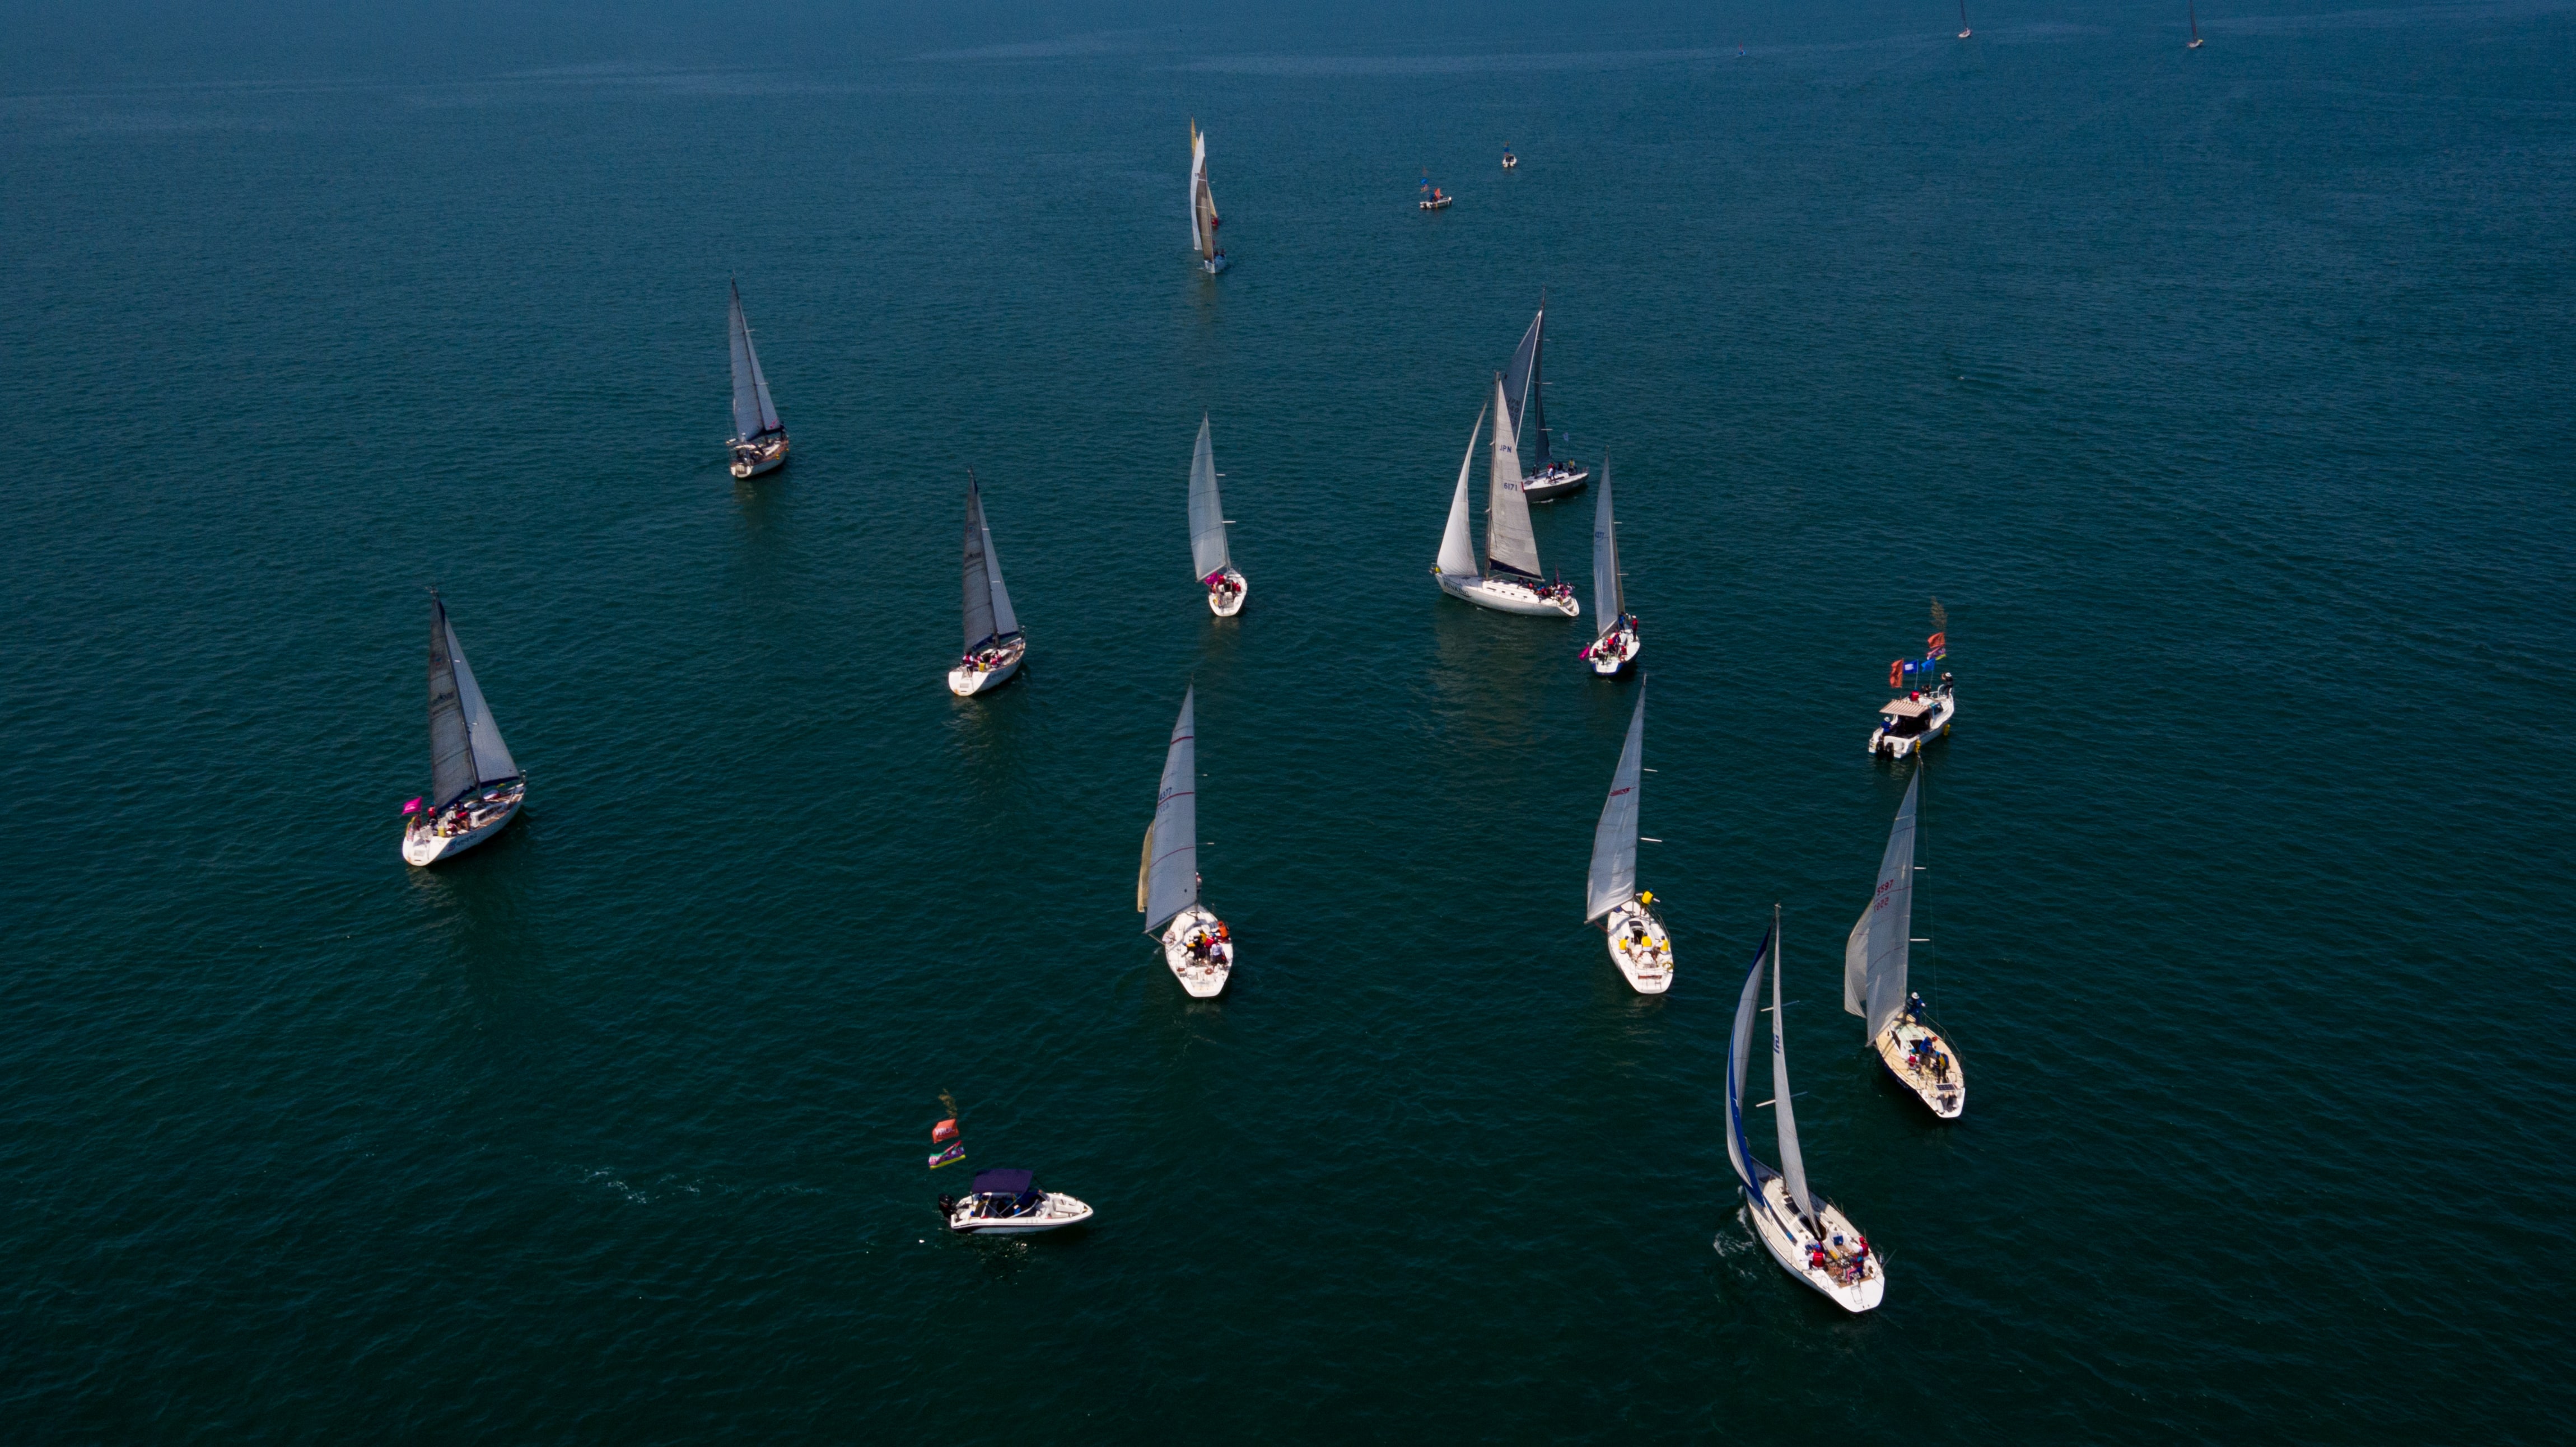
column 759, row 455
column 1914, row 1052
column 1641, row 947
column 1199, row 949
column 1831, row 1257
column 988, row 667
column 446, row 833
column 1226, row 601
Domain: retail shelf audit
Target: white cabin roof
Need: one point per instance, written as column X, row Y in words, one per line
column 1905, row 708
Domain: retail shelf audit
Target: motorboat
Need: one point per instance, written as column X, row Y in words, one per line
column 759, row 442
column 995, row 646
column 1197, row 946
column 1005, row 1203
column 1609, row 655
column 1896, row 1024
column 1639, row 945
column 1433, row 198
column 1925, row 710
column 1811, row 1239
column 1203, row 217
column 1210, row 559
column 1510, row 161
column 475, row 786
column 1550, row 477
column 1509, row 579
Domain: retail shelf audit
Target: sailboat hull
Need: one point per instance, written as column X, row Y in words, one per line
column 754, row 458
column 1558, row 481
column 967, row 682
column 1505, row 595
column 1226, row 605
column 1611, row 654
column 422, row 848
column 1646, row 964
column 1906, row 1043
column 1203, row 976
column 1787, row 1238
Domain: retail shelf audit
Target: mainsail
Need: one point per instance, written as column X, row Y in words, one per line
column 988, row 603
column 1207, row 510
column 1874, row 956
column 465, row 746
column 753, row 413
column 1792, row 1165
column 1203, row 217
column 1458, row 545
column 1509, row 545
column 1607, row 596
column 1172, row 845
column 1614, row 840
column 1524, row 386
column 1739, row 1055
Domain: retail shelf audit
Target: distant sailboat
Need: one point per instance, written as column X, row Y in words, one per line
column 1523, row 385
column 995, row 646
column 1510, row 161
column 1510, row 581
column 1203, row 217
column 1619, row 644
column 1963, row 19
column 1198, row 947
column 1639, row 944
column 759, row 443
column 2193, row 13
column 1433, row 199
column 1209, row 558
column 1813, row 1241
column 475, row 787
column 1896, row 1024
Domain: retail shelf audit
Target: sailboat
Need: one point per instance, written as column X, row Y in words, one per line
column 1198, row 946
column 1510, row 580
column 1203, row 217
column 1510, row 161
column 1209, row 560
column 1550, row 478
column 1618, row 645
column 759, row 443
column 1963, row 19
column 994, row 644
column 475, row 788
column 1896, row 1024
column 1639, row 945
column 2192, row 12
column 1812, row 1240
column 1433, row 198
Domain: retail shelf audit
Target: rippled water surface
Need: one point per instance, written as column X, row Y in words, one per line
column 2219, row 397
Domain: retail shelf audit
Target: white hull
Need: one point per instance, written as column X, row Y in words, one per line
column 425, row 847
column 1776, row 1222
column 1944, row 1094
column 1560, row 480
column 1647, row 963
column 1610, row 662
column 1936, row 725
column 753, row 459
column 966, row 682
column 1440, row 205
column 1505, row 595
column 1202, row 975
column 1055, row 1211
column 1226, row 605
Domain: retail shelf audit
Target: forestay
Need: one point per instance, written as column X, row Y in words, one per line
column 1509, row 545
column 1614, row 840
column 1458, row 545
column 1207, row 510
column 1607, row 596
column 1172, row 846
column 753, row 412
column 1525, row 389
column 1793, row 1166
column 1874, row 957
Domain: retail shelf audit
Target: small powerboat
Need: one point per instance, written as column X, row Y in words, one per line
column 1907, row 724
column 1558, row 478
column 1510, row 161
column 1200, row 951
column 1433, row 198
column 1003, row 1203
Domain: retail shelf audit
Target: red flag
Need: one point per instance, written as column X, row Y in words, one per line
column 946, row 1130
column 1933, row 644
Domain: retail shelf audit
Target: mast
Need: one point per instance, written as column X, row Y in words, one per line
column 1208, row 553
column 1792, row 1164
column 1607, row 595
column 1614, row 839
column 1875, row 954
column 1172, row 844
column 1457, row 545
column 1509, row 545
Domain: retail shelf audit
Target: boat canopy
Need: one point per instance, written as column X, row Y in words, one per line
column 1002, row 1183
column 1906, row 708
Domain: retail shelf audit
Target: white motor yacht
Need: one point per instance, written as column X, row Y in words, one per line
column 1003, row 1203
column 1907, row 724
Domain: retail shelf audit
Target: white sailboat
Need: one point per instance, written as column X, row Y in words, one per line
column 759, row 443
column 1896, row 1024
column 475, row 787
column 1813, row 1241
column 1209, row 558
column 1510, row 580
column 1198, row 946
column 1619, row 644
column 1639, row 945
column 995, row 646
column 1549, row 478
column 1203, row 217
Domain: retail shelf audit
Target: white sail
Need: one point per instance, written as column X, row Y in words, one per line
column 753, row 411
column 1607, row 596
column 1005, row 622
column 1509, row 545
column 1525, row 389
column 492, row 761
column 1172, row 868
column 1793, row 1166
column 1207, row 510
column 1198, row 180
column 1874, row 957
column 1739, row 1056
column 1457, row 545
column 1614, row 839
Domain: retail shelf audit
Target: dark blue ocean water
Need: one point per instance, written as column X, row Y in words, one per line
column 2220, row 397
